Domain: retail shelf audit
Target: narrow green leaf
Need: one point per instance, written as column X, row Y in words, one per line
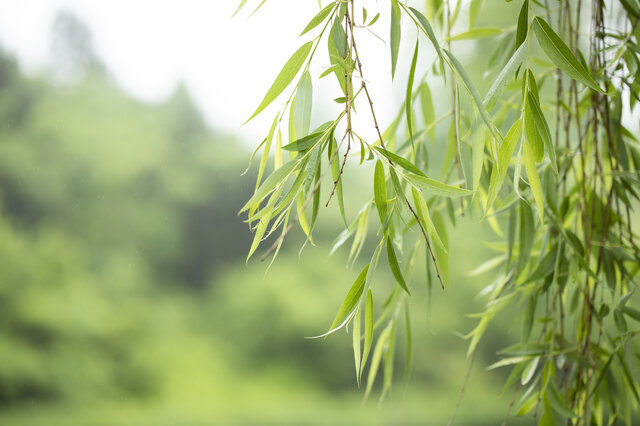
column 474, row 7
column 335, row 174
column 629, row 311
column 409, row 95
column 534, row 179
column 350, row 300
column 302, row 217
column 240, row 6
column 401, row 161
column 477, row 33
column 477, row 159
column 471, row 88
column 339, row 37
column 397, row 186
column 332, row 68
column 376, row 358
column 529, row 371
column 441, row 250
column 266, row 151
column 422, row 210
column 545, row 267
column 368, row 329
column 388, row 360
column 304, row 102
column 394, row 37
column 428, row 112
column 285, row 77
column 523, row 24
column 561, row 55
column 500, row 83
column 304, row 143
column 395, row 268
column 356, row 343
column 277, row 177
column 260, row 229
column 542, row 130
column 534, row 139
column 337, row 51
column 504, row 156
column 316, row 20
column 527, row 235
column 316, row 195
column 426, row 28
column 380, row 191
column 310, row 169
column 434, row 187
column 529, row 314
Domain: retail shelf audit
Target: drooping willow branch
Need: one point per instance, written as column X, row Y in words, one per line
column 560, row 193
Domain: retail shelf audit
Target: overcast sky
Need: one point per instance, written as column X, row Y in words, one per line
column 150, row 45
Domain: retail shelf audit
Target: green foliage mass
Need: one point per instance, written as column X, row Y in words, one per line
column 549, row 158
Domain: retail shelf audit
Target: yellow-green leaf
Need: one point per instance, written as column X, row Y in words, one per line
column 394, row 37
column 316, row 20
column 534, row 179
column 395, row 268
column 285, row 77
column 368, row 329
column 350, row 300
column 504, row 156
column 278, row 176
column 477, row 33
column 435, row 187
column 380, row 191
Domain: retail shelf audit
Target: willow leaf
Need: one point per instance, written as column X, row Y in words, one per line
column 561, row 55
column 426, row 28
column 395, row 267
column 270, row 183
column 368, row 330
column 534, row 138
column 401, row 161
column 375, row 360
column 435, row 187
column 356, row 343
column 500, row 83
column 304, row 143
column 534, row 179
column 523, row 24
column 285, row 77
column 473, row 91
column 409, row 97
column 380, row 191
column 304, row 102
column 316, row 20
column 350, row 300
column 477, row 33
column 394, row 37
column 428, row 112
column 474, row 7
column 504, row 156
column 543, row 130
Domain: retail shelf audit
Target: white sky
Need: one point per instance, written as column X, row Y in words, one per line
column 150, row 45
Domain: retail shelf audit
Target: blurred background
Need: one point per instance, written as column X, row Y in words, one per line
column 124, row 294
